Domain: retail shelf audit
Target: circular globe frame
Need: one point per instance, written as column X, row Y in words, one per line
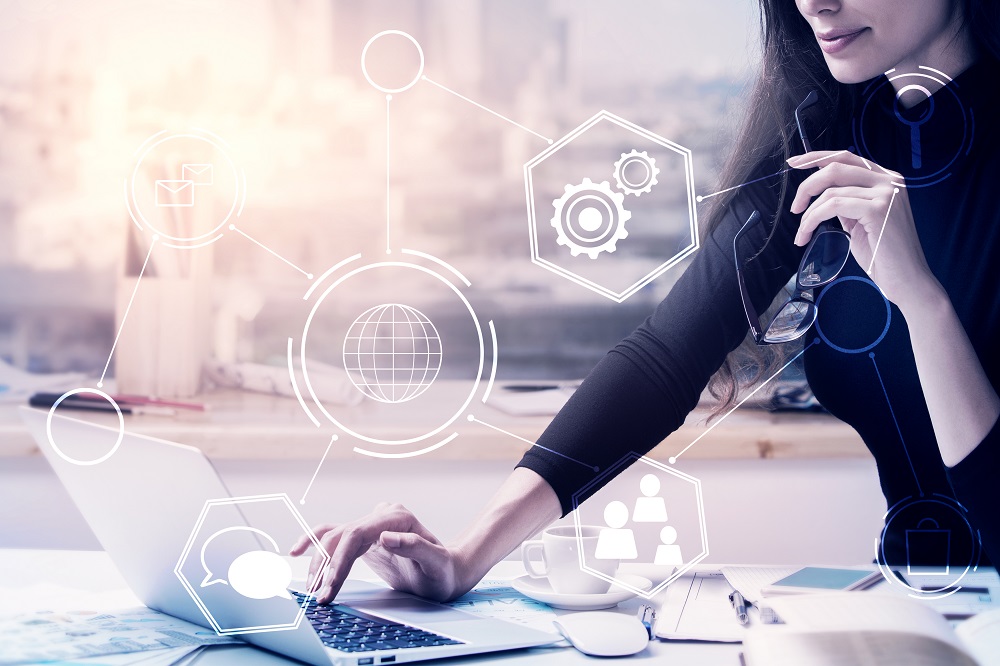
column 303, row 345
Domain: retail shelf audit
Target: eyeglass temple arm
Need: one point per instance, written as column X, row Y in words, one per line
column 751, row 313
column 810, row 99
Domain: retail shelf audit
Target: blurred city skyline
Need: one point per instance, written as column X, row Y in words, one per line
column 81, row 86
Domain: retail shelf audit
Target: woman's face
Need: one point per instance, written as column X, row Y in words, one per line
column 861, row 39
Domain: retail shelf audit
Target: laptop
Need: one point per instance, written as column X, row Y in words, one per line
column 142, row 502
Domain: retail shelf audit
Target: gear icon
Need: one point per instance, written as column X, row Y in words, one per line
column 640, row 162
column 589, row 218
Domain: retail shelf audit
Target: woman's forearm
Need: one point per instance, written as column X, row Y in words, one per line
column 962, row 403
column 522, row 506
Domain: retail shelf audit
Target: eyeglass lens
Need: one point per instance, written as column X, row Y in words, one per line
column 791, row 322
column 827, row 255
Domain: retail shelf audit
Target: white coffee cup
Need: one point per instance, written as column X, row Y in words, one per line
column 560, row 560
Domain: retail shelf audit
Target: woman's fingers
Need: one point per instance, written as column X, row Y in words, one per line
column 837, row 174
column 845, row 186
column 810, row 220
column 302, row 545
column 414, row 547
column 840, row 207
column 821, row 158
column 350, row 542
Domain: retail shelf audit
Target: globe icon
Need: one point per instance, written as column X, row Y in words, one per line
column 392, row 353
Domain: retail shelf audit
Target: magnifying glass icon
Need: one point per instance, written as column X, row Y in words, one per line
column 914, row 125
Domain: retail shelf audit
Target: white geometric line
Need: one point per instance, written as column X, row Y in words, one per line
column 702, row 197
column 486, row 109
column 882, row 231
column 473, row 419
column 411, row 454
column 233, row 227
column 722, row 418
column 441, row 263
column 327, row 274
column 388, row 247
column 936, row 71
column 493, row 370
column 321, row 461
column 295, row 386
column 152, row 244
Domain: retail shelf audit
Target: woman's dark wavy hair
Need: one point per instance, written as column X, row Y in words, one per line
column 792, row 65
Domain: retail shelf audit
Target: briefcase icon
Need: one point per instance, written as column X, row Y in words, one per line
column 174, row 193
column 928, row 548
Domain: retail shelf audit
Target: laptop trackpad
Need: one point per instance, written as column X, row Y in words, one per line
column 411, row 611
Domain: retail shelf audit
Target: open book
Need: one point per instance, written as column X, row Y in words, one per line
column 852, row 629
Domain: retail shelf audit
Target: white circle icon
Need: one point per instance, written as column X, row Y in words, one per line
column 70, row 459
column 185, row 188
column 364, row 62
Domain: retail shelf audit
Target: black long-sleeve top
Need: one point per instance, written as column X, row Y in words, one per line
column 858, row 360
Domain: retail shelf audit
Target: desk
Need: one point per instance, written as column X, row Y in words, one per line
column 93, row 571
column 255, row 426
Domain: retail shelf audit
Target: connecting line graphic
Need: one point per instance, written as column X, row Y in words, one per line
column 232, row 227
column 473, row 419
column 502, row 117
column 722, row 418
column 895, row 191
column 701, row 198
column 892, row 413
column 388, row 247
column 321, row 461
column 156, row 237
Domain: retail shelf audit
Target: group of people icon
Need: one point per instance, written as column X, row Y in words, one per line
column 616, row 542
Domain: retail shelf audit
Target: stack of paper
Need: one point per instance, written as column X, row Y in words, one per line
column 68, row 635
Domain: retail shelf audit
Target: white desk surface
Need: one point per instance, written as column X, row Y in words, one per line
column 93, row 572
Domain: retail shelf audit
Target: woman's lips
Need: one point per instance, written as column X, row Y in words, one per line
column 835, row 42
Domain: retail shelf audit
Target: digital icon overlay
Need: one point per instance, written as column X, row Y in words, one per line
column 185, row 188
column 256, row 574
column 930, row 538
column 650, row 513
column 905, row 99
column 235, row 573
column 633, row 206
column 589, row 218
column 392, row 353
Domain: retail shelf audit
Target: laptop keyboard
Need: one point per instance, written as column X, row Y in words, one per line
column 349, row 630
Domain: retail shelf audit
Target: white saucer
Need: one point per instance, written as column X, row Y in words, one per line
column 540, row 590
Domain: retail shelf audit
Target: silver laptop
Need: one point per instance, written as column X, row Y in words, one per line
column 142, row 502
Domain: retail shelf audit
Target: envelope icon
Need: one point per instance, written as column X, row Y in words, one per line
column 174, row 193
column 201, row 174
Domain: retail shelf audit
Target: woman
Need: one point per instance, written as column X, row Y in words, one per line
column 914, row 371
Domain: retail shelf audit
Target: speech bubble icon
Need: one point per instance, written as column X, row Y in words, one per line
column 260, row 575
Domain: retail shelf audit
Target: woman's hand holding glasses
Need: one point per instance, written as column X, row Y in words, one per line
column 883, row 237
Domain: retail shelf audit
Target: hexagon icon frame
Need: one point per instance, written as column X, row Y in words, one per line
column 192, row 590
column 598, row 482
column 616, row 296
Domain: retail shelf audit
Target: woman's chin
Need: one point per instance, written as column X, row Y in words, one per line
column 852, row 71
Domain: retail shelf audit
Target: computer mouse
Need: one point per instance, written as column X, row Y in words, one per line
column 603, row 634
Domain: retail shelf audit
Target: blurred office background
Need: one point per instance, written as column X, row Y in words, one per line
column 82, row 85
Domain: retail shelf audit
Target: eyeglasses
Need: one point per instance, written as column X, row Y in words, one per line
column 822, row 261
